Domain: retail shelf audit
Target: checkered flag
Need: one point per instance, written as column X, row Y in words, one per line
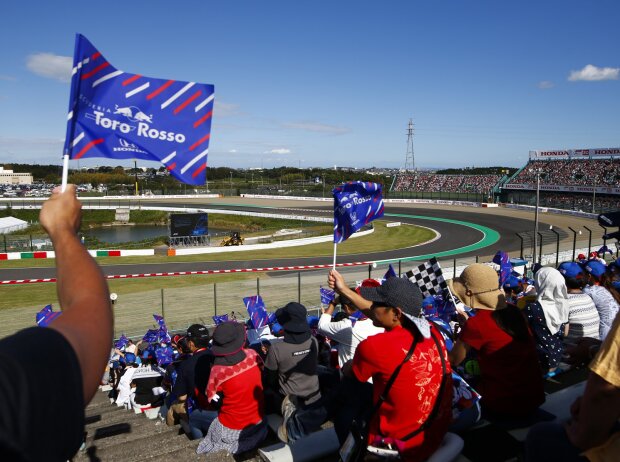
column 429, row 278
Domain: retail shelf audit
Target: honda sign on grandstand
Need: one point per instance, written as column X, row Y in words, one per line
column 575, row 153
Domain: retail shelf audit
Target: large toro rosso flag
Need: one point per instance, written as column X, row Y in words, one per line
column 356, row 204
column 119, row 115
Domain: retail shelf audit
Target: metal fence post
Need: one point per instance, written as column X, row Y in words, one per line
column 215, row 298
column 557, row 246
column 163, row 311
column 298, row 286
column 589, row 239
column 574, row 242
column 540, row 247
column 399, row 269
column 4, row 236
column 453, row 268
column 369, row 271
column 521, row 249
column 31, row 247
column 257, row 286
column 477, row 258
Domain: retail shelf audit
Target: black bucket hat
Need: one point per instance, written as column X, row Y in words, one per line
column 228, row 342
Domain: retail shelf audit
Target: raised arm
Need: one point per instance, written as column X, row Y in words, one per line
column 336, row 282
column 87, row 318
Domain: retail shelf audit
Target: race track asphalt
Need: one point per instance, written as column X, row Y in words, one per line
column 454, row 235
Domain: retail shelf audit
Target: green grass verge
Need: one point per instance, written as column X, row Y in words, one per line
column 383, row 238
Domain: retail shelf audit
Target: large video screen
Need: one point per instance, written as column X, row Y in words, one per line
column 189, row 224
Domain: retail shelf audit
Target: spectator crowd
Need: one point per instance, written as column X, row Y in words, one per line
column 434, row 182
column 573, row 172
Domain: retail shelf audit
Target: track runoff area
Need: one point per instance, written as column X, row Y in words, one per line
column 460, row 233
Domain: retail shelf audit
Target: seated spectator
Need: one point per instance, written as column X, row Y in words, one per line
column 413, row 416
column 291, row 380
column 235, row 380
column 191, row 383
column 593, row 432
column 124, row 391
column 510, row 378
column 512, row 289
column 604, row 296
column 347, row 332
column 548, row 317
column 144, row 379
column 583, row 319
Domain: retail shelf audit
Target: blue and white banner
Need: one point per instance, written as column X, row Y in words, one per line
column 356, row 204
column 257, row 311
column 120, row 115
column 327, row 295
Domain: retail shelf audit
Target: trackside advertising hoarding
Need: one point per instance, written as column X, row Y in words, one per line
column 575, row 153
column 559, row 188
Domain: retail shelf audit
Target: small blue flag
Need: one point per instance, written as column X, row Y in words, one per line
column 163, row 336
column 505, row 268
column 604, row 249
column 271, row 318
column 256, row 310
column 356, row 204
column 164, row 355
column 327, row 295
column 390, row 273
column 121, row 343
column 151, row 336
column 119, row 115
column 159, row 319
column 46, row 316
column 220, row 319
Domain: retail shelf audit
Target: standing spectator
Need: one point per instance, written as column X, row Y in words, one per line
column 291, row 380
column 236, row 380
column 510, row 378
column 347, row 332
column 421, row 394
column 191, row 383
column 71, row 353
column 604, row 296
column 583, row 319
column 548, row 317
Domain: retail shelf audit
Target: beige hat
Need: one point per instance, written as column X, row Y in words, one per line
column 478, row 287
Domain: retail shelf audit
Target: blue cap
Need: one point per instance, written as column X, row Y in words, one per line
column 570, row 269
column 130, row 358
column 595, row 268
column 313, row 322
column 512, row 282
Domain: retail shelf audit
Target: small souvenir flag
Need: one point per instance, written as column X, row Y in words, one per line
column 219, row 319
column 160, row 320
column 163, row 336
column 604, row 249
column 151, row 336
column 327, row 295
column 356, row 204
column 505, row 268
column 119, row 115
column 390, row 273
column 271, row 318
column 256, row 310
column 164, row 355
column 121, row 343
column 429, row 277
column 46, row 316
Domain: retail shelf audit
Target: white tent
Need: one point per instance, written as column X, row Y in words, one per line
column 11, row 224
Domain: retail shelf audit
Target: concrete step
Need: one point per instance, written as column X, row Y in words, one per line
column 127, row 432
column 144, row 448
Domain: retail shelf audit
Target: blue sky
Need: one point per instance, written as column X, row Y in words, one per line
column 327, row 83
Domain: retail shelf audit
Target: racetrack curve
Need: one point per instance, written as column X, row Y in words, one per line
column 463, row 234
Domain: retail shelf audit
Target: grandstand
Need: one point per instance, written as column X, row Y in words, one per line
column 576, row 179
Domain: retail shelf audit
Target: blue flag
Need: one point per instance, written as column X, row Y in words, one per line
column 151, row 336
column 390, row 273
column 220, row 319
column 122, row 342
column 356, row 204
column 505, row 268
column 46, row 316
column 327, row 295
column 120, row 115
column 160, row 320
column 164, row 355
column 256, row 310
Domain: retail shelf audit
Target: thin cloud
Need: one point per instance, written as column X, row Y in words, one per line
column 316, row 127
column 50, row 66
column 592, row 73
column 7, row 78
column 278, row 151
column 545, row 84
column 226, row 109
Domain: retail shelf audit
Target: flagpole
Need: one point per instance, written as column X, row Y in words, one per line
column 65, row 172
column 335, row 247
